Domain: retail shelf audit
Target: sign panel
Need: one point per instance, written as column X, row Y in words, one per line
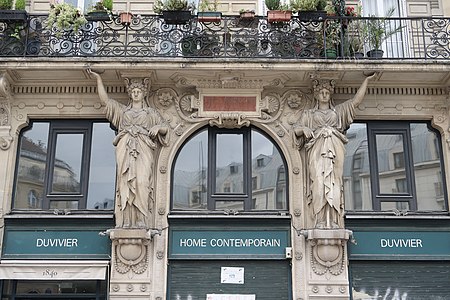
column 74, row 244
column 229, row 244
column 232, row 275
column 394, row 244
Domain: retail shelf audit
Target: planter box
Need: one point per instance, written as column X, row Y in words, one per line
column 176, row 17
column 279, row 16
column 13, row 15
column 247, row 15
column 98, row 16
column 209, row 16
column 125, row 18
column 312, row 15
column 375, row 53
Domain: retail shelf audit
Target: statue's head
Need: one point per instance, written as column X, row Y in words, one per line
column 137, row 89
column 323, row 90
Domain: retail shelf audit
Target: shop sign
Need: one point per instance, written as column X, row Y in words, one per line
column 55, row 244
column 405, row 244
column 225, row 244
column 230, row 297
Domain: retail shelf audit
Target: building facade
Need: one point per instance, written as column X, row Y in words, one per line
column 146, row 160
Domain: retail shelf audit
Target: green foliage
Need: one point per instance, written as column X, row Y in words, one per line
column 6, row 4
column 108, row 4
column 377, row 30
column 208, row 5
column 64, row 16
column 104, row 5
column 161, row 5
column 273, row 4
column 20, row 4
column 332, row 30
column 306, row 5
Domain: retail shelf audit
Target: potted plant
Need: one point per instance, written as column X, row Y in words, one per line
column 278, row 12
column 355, row 33
column 11, row 10
column 207, row 11
column 331, row 37
column 378, row 30
column 310, row 10
column 174, row 12
column 65, row 17
column 100, row 11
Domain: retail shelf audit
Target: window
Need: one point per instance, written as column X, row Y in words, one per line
column 393, row 165
column 234, row 180
column 65, row 165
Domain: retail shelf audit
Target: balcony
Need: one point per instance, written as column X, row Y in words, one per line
column 232, row 38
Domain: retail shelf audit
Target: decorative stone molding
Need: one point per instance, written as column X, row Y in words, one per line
column 229, row 120
column 5, row 113
column 130, row 248
column 327, row 250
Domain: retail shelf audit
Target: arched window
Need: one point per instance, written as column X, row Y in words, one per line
column 229, row 170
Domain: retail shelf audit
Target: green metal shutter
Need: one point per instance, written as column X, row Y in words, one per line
column 193, row 280
column 411, row 280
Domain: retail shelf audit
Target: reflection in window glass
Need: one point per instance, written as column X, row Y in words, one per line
column 190, row 174
column 246, row 176
column 84, row 289
column 269, row 180
column 356, row 169
column 427, row 168
column 63, row 204
column 229, row 163
column 31, row 169
column 389, row 147
column 101, row 170
column 67, row 166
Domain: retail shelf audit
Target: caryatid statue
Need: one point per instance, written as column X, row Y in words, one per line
column 141, row 130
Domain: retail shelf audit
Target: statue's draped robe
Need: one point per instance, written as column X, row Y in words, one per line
column 134, row 154
column 325, row 158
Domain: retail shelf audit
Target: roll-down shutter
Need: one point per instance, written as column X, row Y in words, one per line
column 411, row 280
column 193, row 280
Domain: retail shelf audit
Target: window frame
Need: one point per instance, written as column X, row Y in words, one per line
column 246, row 197
column 55, row 127
column 404, row 127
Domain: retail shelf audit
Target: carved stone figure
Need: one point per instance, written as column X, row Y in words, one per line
column 321, row 130
column 140, row 132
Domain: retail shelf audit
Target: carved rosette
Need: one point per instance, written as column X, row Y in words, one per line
column 328, row 250
column 130, row 250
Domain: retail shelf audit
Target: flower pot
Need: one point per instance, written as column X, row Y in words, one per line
column 98, row 16
column 279, row 16
column 177, row 17
column 209, row 16
column 375, row 53
column 312, row 15
column 330, row 53
column 125, row 18
column 358, row 55
column 247, row 15
column 13, row 15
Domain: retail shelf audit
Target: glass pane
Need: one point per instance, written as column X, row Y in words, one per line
column 67, row 167
column 230, row 205
column 268, row 175
column 64, row 204
column 391, row 163
column 31, row 168
column 102, row 170
column 57, row 287
column 190, row 174
column 229, row 163
column 357, row 192
column 427, row 168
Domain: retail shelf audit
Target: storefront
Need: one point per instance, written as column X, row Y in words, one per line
column 55, row 262
column 216, row 258
column 408, row 261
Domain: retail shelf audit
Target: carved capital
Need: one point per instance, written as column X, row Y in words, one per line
column 130, row 248
column 230, row 120
column 328, row 250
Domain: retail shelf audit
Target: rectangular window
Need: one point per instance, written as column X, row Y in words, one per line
column 65, row 165
column 404, row 168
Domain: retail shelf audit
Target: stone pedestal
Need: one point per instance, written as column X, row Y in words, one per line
column 131, row 261
column 327, row 258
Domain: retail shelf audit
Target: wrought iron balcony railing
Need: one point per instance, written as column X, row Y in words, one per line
column 232, row 37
